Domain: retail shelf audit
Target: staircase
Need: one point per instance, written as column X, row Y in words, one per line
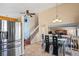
column 33, row 32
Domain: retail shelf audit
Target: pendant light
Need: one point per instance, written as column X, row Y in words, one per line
column 57, row 19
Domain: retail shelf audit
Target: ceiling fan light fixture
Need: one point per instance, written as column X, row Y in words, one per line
column 57, row 20
column 57, row 17
column 60, row 20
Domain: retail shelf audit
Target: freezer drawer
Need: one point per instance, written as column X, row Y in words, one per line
column 11, row 52
column 18, row 48
column 18, row 51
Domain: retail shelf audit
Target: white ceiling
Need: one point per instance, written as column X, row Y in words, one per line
column 14, row 9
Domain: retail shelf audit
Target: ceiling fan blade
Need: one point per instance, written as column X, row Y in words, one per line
column 22, row 12
column 32, row 13
column 27, row 13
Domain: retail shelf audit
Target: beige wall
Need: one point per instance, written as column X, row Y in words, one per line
column 32, row 22
column 69, row 13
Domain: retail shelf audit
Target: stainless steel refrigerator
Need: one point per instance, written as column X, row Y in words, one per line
column 10, row 38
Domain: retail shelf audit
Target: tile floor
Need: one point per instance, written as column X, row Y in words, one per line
column 35, row 50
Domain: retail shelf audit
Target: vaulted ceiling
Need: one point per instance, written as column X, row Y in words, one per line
column 14, row 9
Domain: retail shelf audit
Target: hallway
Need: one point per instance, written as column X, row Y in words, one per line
column 35, row 50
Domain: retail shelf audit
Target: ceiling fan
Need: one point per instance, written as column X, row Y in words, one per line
column 27, row 13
